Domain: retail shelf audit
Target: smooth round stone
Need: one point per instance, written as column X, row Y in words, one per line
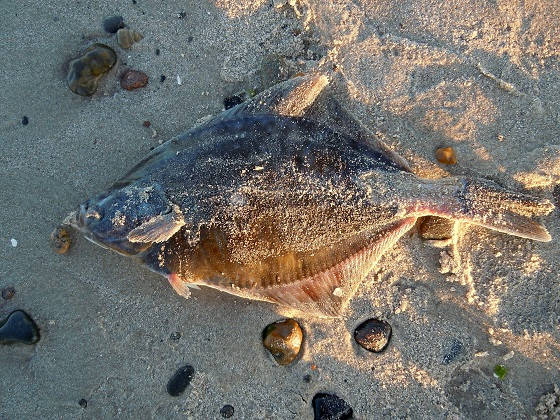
column 283, row 340
column 113, row 24
column 18, row 327
column 446, row 155
column 373, row 335
column 180, row 380
column 84, row 72
column 330, row 407
column 134, row 79
column 227, row 411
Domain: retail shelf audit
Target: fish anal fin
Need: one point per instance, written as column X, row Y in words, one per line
column 328, row 292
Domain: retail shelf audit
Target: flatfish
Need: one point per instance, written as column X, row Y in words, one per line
column 269, row 202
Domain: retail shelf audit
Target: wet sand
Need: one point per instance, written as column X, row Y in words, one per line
column 482, row 77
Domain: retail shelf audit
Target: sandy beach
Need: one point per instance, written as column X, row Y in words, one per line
column 482, row 77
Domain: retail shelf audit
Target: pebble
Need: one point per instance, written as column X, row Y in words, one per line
column 147, row 124
column 227, row 411
column 113, row 24
column 13, row 241
column 283, row 340
column 8, row 292
column 18, row 327
column 83, row 403
column 180, row 380
column 446, row 155
column 162, row 78
column 330, row 407
column 500, row 371
column 84, row 72
column 232, row 101
column 60, row 240
column 455, row 350
column 435, row 228
column 175, row 336
column 127, row 37
column 133, row 79
column 25, row 120
column 373, row 335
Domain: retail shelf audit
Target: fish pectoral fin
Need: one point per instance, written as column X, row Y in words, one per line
column 290, row 98
column 181, row 287
column 159, row 228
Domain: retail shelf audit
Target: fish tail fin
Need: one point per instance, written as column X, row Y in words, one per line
column 485, row 203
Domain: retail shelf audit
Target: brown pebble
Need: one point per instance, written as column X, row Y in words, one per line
column 446, row 155
column 133, row 79
column 283, row 340
column 438, row 228
column 126, row 37
column 60, row 240
column 146, row 124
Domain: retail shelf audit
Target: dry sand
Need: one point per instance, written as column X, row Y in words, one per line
column 481, row 76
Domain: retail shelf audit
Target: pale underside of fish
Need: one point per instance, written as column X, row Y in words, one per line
column 272, row 201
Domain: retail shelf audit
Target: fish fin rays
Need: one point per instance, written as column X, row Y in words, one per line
column 484, row 203
column 328, row 292
column 182, row 288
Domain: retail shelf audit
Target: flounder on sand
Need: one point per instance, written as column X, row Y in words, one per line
column 268, row 201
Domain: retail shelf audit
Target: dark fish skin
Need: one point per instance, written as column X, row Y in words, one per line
column 283, row 208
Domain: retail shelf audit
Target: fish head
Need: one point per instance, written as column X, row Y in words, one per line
column 127, row 220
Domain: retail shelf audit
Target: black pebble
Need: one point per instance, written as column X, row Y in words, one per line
column 133, row 1
column 373, row 335
column 181, row 15
column 18, row 327
column 25, row 120
column 454, row 351
column 83, row 403
column 556, row 195
column 233, row 100
column 175, row 336
column 189, row 39
column 162, row 78
column 157, row 51
column 8, row 292
column 227, row 411
column 330, row 407
column 180, row 380
column 113, row 24
column 307, row 378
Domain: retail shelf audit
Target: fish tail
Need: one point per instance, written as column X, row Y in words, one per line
column 485, row 203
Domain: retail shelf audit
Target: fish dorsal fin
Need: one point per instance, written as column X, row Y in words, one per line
column 335, row 116
column 290, row 98
column 159, row 228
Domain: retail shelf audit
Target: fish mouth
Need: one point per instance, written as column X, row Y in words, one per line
column 82, row 219
column 76, row 219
